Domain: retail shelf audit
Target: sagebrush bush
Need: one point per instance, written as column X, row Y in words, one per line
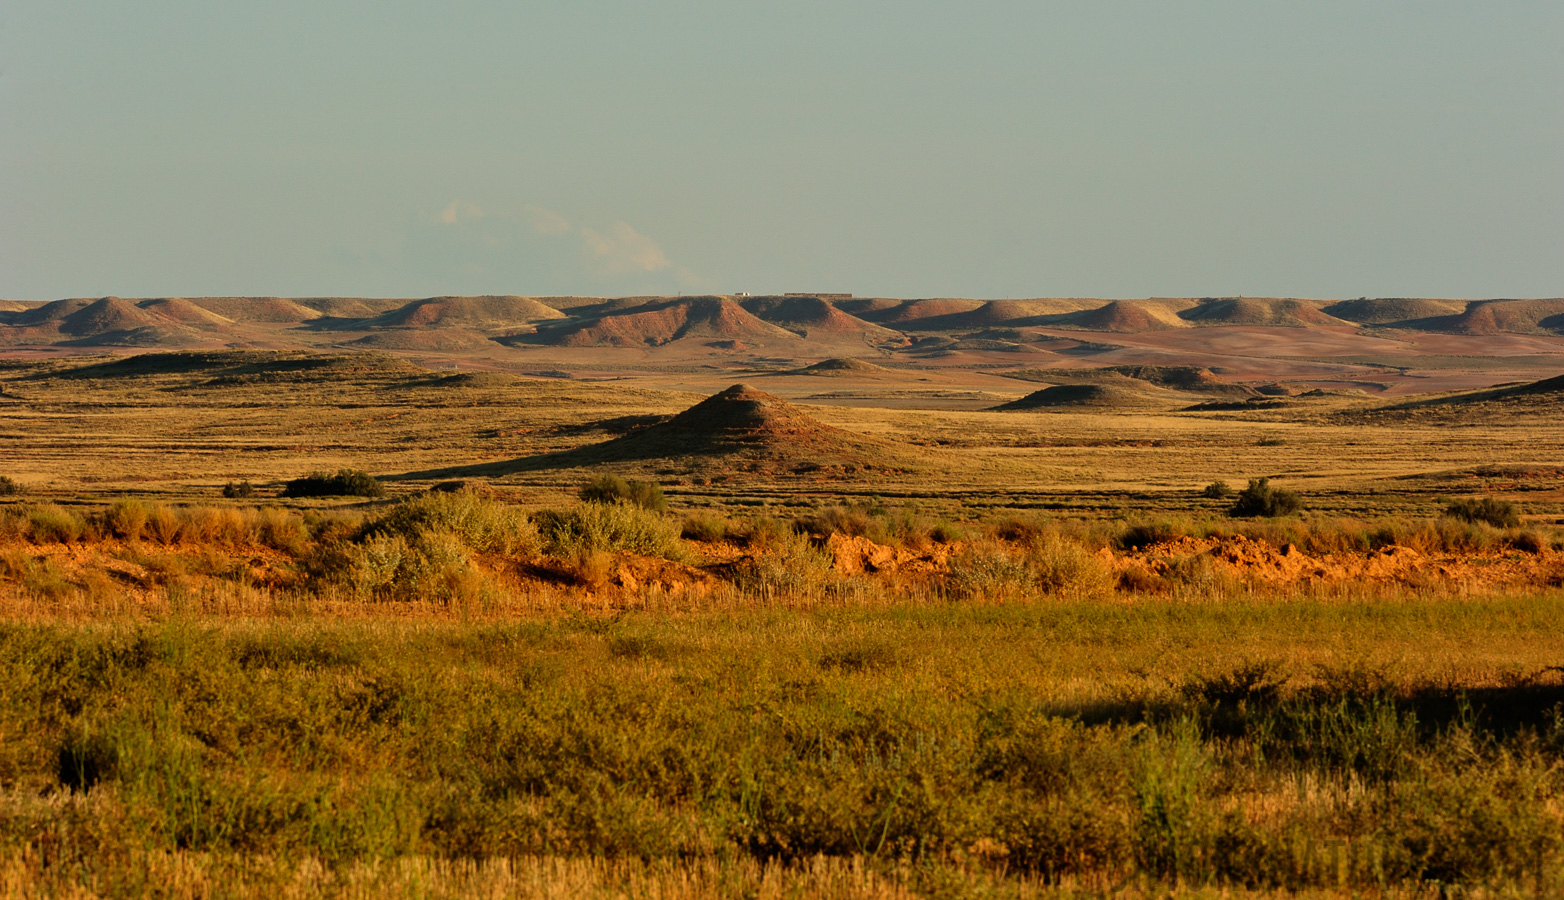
column 281, row 530
column 242, row 490
column 1140, row 535
column 1062, row 567
column 611, row 527
column 49, row 523
column 853, row 521
column 482, row 524
column 704, row 528
column 1260, row 499
column 792, row 568
column 613, row 489
column 1217, row 490
column 341, row 483
column 1487, row 510
column 988, row 570
column 432, row 566
column 163, row 524
column 760, row 531
column 8, row 486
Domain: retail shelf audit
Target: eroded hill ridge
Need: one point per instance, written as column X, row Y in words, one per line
column 718, row 322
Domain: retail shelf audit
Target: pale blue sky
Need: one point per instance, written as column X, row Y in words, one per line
column 1115, row 149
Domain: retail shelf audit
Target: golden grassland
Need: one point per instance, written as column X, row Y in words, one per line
column 1043, row 664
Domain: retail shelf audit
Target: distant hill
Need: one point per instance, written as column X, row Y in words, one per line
column 661, row 322
column 838, row 366
column 1118, row 317
column 1499, row 317
column 1257, row 311
column 1391, row 310
column 1187, row 379
column 265, row 310
column 474, row 313
column 776, row 329
column 112, row 322
column 1504, row 403
column 741, row 428
column 815, row 319
column 1086, row 396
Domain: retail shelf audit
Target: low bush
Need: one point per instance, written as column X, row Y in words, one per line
column 705, row 528
column 432, row 566
column 1061, row 567
column 1260, row 499
column 53, row 524
column 610, row 527
column 760, row 531
column 8, row 486
column 613, row 489
column 946, row 532
column 341, row 483
column 853, row 521
column 1140, row 535
column 241, row 490
column 163, row 524
column 126, row 519
column 988, row 571
column 481, row 524
column 1217, row 490
column 1487, row 510
column 792, row 568
column 281, row 530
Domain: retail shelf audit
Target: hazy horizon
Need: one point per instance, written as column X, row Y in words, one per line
column 1105, row 150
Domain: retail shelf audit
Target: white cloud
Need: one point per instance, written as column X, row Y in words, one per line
column 624, row 249
column 546, row 221
column 458, row 211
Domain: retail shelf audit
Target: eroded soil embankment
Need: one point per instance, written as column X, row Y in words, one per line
column 135, row 573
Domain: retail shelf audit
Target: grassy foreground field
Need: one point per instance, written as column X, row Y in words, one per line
column 453, row 695
column 1024, row 749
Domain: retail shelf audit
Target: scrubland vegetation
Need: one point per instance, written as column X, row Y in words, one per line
column 452, row 694
column 556, row 637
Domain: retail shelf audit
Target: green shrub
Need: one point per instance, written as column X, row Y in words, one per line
column 342, row 483
column 792, row 568
column 704, row 528
column 240, row 490
column 126, row 519
column 1140, row 535
column 946, row 532
column 1217, row 490
column 1260, row 499
column 52, row 524
column 613, row 489
column 432, row 566
column 608, row 526
column 852, row 521
column 163, row 524
column 481, row 524
column 1487, row 510
column 1063, row 567
column 8, row 486
column 988, row 571
column 761, row 531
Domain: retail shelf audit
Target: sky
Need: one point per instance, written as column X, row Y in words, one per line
column 1012, row 148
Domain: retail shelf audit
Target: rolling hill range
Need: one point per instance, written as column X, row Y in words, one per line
column 1377, row 345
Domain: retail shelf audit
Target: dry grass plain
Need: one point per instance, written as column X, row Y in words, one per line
column 886, row 640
